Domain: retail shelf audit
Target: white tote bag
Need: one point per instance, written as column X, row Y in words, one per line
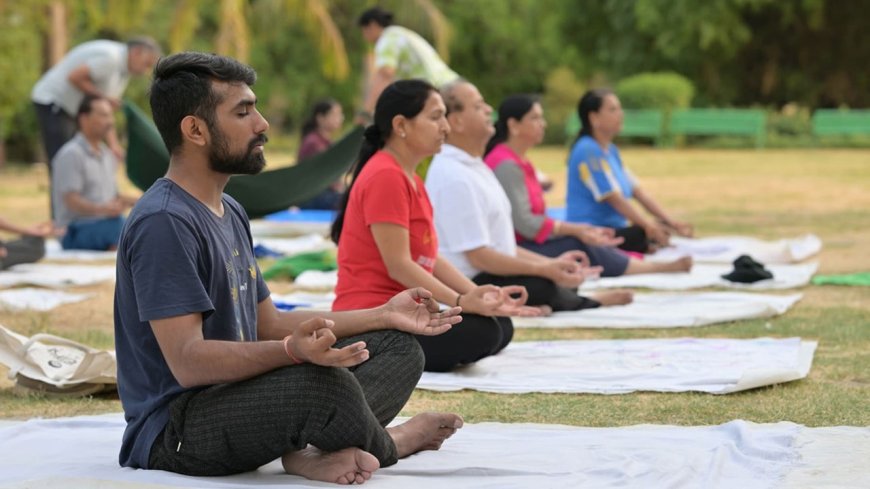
column 58, row 362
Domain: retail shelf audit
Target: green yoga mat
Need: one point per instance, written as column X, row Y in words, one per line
column 265, row 193
column 292, row 266
column 859, row 279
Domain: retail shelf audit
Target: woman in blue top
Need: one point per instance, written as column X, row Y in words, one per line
column 600, row 187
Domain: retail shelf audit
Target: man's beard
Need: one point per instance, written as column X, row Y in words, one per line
column 247, row 163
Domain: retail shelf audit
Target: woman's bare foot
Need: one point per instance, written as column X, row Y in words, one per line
column 614, row 297
column 425, row 431
column 347, row 466
column 683, row 264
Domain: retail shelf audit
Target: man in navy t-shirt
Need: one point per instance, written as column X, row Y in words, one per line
column 213, row 378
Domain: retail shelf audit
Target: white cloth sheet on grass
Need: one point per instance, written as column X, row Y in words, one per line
column 701, row 276
column 54, row 251
column 713, row 365
column 321, row 301
column 82, row 452
column 316, row 280
column 649, row 310
column 55, row 275
column 37, row 299
column 725, row 249
column 708, row 275
column 662, row 310
column 265, row 228
column 295, row 246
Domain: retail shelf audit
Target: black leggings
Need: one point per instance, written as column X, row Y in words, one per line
column 476, row 337
column 634, row 239
column 542, row 292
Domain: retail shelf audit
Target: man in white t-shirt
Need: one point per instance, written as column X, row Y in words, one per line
column 100, row 69
column 473, row 216
column 400, row 54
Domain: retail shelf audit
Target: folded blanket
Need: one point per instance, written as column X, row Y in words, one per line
column 716, row 366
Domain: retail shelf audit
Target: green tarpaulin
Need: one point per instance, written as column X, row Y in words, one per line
column 270, row 191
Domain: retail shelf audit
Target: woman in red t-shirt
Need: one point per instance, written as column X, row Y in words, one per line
column 387, row 236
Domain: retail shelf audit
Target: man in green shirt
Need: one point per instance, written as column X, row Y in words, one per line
column 400, row 54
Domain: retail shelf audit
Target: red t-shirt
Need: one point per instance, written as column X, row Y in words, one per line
column 381, row 194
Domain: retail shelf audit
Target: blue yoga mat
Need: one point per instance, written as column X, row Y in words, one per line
column 314, row 215
column 302, row 215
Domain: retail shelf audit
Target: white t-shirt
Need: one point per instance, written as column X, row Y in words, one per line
column 471, row 208
column 107, row 64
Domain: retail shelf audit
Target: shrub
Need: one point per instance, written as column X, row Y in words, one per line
column 664, row 91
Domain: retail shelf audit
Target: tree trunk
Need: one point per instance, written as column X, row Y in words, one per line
column 58, row 34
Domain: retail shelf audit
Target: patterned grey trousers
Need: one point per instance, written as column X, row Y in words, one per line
column 232, row 428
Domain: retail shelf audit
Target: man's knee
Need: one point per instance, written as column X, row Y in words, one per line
column 326, row 385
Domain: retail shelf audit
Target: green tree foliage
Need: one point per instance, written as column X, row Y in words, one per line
column 20, row 59
column 735, row 52
column 665, row 91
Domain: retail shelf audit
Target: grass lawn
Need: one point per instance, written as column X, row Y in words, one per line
column 769, row 194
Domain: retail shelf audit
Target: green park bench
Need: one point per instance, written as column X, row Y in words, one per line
column 719, row 122
column 637, row 123
column 833, row 122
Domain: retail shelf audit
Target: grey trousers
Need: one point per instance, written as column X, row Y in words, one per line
column 28, row 249
column 232, row 428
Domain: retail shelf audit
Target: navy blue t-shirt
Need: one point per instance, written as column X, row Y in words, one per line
column 176, row 257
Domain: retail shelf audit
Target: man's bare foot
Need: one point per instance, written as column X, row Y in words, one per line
column 425, row 431
column 545, row 309
column 348, row 466
column 614, row 297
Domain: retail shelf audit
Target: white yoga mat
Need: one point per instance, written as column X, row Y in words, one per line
column 725, row 249
column 709, row 275
column 55, row 275
column 701, row 276
column 651, row 310
column 54, row 251
column 657, row 310
column 316, row 280
column 37, row 299
column 82, row 452
column 716, row 366
column 295, row 246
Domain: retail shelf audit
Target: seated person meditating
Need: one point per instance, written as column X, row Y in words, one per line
column 386, row 236
column 28, row 248
column 600, row 188
column 473, row 216
column 317, row 133
column 84, row 188
column 214, row 380
column 520, row 127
